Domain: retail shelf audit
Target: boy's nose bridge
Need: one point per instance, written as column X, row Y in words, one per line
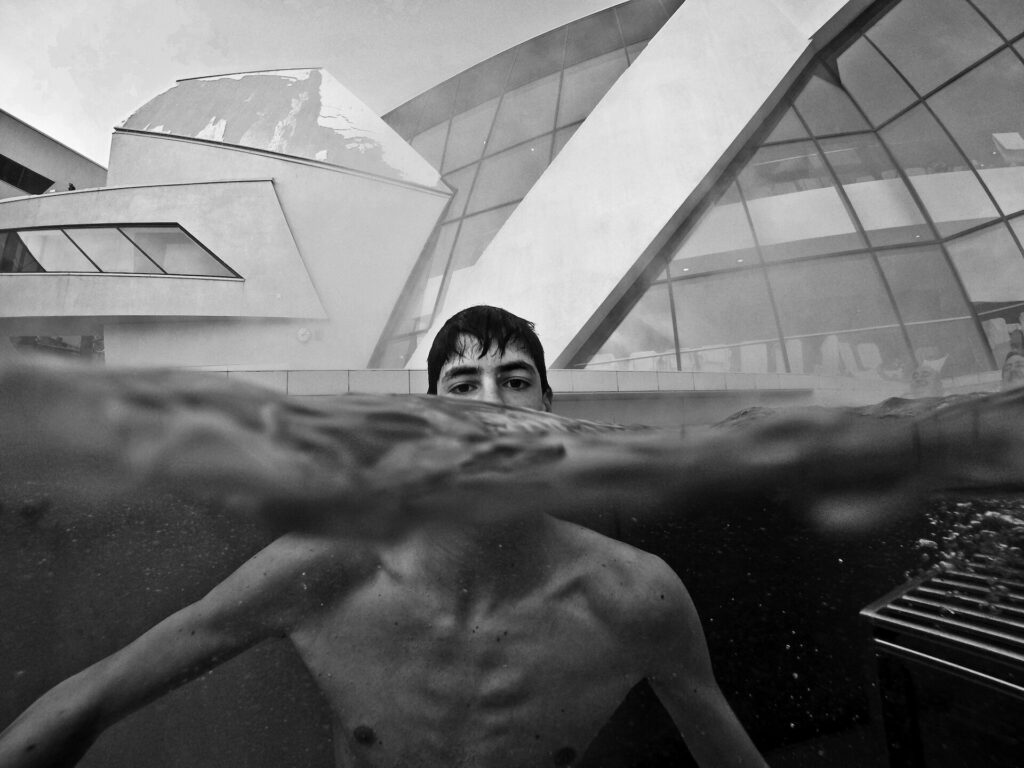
column 491, row 390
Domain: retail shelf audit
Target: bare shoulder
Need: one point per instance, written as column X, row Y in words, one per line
column 290, row 580
column 635, row 587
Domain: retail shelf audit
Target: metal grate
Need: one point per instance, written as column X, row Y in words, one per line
column 979, row 607
column 949, row 653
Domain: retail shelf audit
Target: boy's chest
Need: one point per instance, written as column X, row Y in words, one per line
column 396, row 649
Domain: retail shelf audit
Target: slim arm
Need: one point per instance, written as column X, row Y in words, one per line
column 257, row 601
column 682, row 677
column 58, row 728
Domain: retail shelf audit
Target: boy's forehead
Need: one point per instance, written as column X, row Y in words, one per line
column 471, row 350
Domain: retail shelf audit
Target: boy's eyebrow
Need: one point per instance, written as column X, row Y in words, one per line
column 461, row 370
column 516, row 365
column 476, row 370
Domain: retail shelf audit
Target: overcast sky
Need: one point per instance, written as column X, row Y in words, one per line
column 75, row 68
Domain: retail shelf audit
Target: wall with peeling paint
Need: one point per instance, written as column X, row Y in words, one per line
column 298, row 112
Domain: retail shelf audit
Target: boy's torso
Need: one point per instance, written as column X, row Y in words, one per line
column 413, row 678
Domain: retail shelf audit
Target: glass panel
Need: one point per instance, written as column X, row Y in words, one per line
column 468, row 135
column 923, row 285
column 640, row 20
column 717, row 316
column 592, row 36
column 25, row 179
column 112, row 251
column 991, row 268
column 562, row 135
column 643, row 340
column 525, row 112
column 946, row 349
column 789, row 127
column 1007, row 15
column 510, row 175
column 872, row 82
column 876, row 354
column 474, row 237
column 54, row 252
column 430, row 144
column 404, row 118
column 585, row 84
column 634, row 50
column 794, row 205
column 398, row 351
column 14, row 256
column 538, row 57
column 476, row 234
column 982, row 110
column 950, row 191
column 175, row 252
column 783, row 170
column 460, row 181
column 930, row 41
column 484, row 81
column 879, row 197
column 720, row 240
column 826, row 108
column 825, row 295
column 1018, row 227
column 437, row 104
column 418, row 309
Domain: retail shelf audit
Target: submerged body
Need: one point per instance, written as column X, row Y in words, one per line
column 447, row 618
column 506, row 645
column 467, row 630
column 420, row 670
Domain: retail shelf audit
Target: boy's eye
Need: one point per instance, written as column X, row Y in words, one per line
column 517, row 383
column 462, row 388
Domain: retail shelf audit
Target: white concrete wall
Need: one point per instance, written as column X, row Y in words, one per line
column 358, row 236
column 642, row 160
column 241, row 222
column 38, row 152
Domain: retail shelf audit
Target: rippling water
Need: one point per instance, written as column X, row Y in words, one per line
column 124, row 495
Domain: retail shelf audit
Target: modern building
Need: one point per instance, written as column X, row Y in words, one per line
column 775, row 196
column 827, row 189
column 32, row 163
column 248, row 221
column 702, row 205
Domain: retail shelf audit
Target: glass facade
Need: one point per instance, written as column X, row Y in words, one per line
column 493, row 130
column 874, row 230
column 17, row 175
column 135, row 249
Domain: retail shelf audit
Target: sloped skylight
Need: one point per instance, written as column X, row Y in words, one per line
column 305, row 113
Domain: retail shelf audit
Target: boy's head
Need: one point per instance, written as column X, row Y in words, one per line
column 489, row 353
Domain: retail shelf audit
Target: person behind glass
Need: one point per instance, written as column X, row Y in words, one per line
column 925, row 382
column 488, row 639
column 1013, row 370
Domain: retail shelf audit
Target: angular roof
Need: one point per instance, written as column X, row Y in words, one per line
column 304, row 113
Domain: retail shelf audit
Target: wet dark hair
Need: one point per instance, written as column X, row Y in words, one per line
column 492, row 327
